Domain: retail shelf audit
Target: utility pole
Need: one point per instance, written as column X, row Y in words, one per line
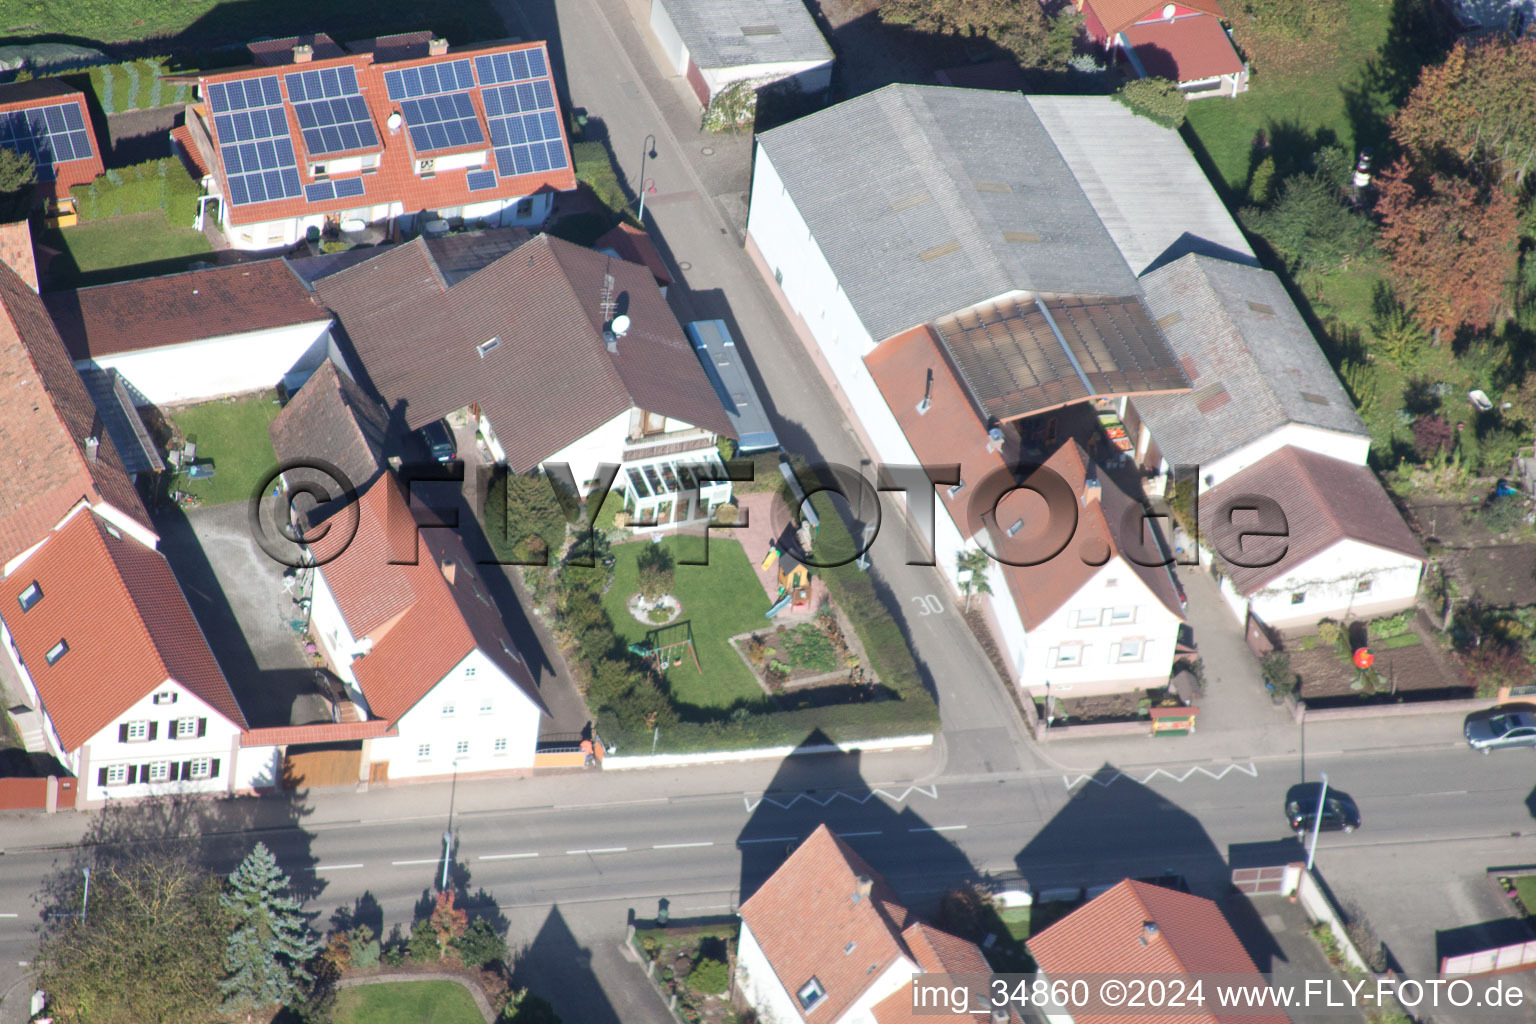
column 648, row 151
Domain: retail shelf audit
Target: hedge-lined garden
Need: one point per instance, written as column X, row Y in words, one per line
column 162, row 184
column 135, row 85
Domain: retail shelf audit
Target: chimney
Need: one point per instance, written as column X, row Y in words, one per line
column 91, row 444
column 995, row 440
column 1091, row 489
column 927, row 402
column 450, row 569
column 437, row 47
column 303, row 53
column 862, row 888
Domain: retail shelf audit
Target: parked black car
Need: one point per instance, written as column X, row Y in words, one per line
column 1340, row 812
column 438, row 437
column 1501, row 727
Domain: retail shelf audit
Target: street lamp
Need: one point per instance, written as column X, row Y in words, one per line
column 648, row 152
column 1317, row 823
column 453, row 793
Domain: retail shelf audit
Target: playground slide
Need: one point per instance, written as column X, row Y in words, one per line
column 778, row 606
column 768, row 559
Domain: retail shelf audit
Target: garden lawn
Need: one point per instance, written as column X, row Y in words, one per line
column 210, row 23
column 120, row 249
column 720, row 599
column 1525, row 885
column 406, row 1002
column 1312, row 99
column 233, row 434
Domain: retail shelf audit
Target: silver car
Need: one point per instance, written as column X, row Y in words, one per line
column 1507, row 725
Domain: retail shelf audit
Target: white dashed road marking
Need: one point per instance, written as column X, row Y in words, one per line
column 607, row 849
column 506, row 856
column 679, row 846
column 337, row 867
column 1110, row 778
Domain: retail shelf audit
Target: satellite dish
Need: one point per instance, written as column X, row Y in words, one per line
column 394, row 121
column 1168, row 12
column 620, row 325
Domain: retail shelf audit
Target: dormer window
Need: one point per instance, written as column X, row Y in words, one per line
column 30, row 596
column 317, row 170
column 165, row 697
column 427, row 167
column 56, row 652
column 810, row 994
column 486, row 347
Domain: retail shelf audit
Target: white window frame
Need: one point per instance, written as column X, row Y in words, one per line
column 160, row 771
column 184, row 728
column 1068, row 656
column 487, row 705
column 1138, row 654
column 499, row 746
column 469, row 671
column 461, row 748
column 165, row 697
column 1117, row 619
column 1087, row 618
column 138, row 731
column 810, row 994
column 28, row 598
column 202, row 768
column 449, row 709
column 423, row 751
column 117, row 774
column 56, row 652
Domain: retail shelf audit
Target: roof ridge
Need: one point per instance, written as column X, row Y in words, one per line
column 1147, row 915
column 609, row 366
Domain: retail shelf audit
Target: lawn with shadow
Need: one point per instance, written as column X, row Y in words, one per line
column 120, row 249
column 232, row 436
column 406, row 1002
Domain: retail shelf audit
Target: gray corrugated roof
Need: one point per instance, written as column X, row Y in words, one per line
column 717, row 350
column 888, row 184
column 777, row 31
column 1254, row 364
column 1141, row 178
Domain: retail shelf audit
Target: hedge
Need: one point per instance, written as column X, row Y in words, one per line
column 142, row 188
column 1156, row 99
column 134, row 85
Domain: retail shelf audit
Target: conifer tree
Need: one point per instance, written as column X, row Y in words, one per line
column 271, row 941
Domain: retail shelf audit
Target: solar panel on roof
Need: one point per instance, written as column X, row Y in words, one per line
column 517, row 66
column 349, row 188
column 333, row 116
column 319, row 192
column 442, row 122
column 479, row 181
column 49, row 135
column 254, row 141
column 428, row 80
column 523, row 117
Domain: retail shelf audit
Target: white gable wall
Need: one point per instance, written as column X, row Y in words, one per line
column 330, row 629
column 1352, row 448
column 760, row 985
column 895, row 975
column 220, row 365
column 108, row 752
column 667, row 35
column 475, row 704
column 1329, row 586
column 811, row 76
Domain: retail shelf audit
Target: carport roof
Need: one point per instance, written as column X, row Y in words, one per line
column 737, row 33
column 332, row 418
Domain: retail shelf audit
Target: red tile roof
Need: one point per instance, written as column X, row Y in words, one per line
column 1105, row 937
column 1041, row 590
column 49, row 92
column 151, row 312
column 1118, row 15
column 16, row 251
column 551, row 381
column 277, row 52
column 635, row 245
column 182, row 136
column 1184, row 49
column 117, row 606
column 317, row 732
column 421, row 624
column 1325, row 501
column 45, row 470
column 396, row 180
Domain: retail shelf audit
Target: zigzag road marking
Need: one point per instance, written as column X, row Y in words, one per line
column 864, row 798
column 1249, row 770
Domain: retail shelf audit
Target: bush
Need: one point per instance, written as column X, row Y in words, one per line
column 423, row 947
column 1156, row 99
column 709, row 977
column 480, row 944
column 1278, row 676
column 524, row 520
column 734, row 108
column 142, row 188
column 1502, row 515
column 1391, row 625
column 594, row 168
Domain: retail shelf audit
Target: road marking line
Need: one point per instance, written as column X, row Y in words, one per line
column 939, row 828
column 336, row 867
column 679, row 846
column 10, row 915
column 606, row 849
column 772, row 839
column 506, row 856
column 407, row 863
column 855, row 835
column 1249, row 770
column 928, row 791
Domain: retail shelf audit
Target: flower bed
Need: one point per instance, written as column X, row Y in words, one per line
column 693, row 968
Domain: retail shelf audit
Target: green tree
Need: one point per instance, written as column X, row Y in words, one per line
column 1261, row 185
column 449, row 923
column 480, row 944
column 527, row 1008
column 150, row 948
column 18, row 174
column 1156, row 99
column 270, row 942
column 1309, row 226
column 524, row 518
column 1022, row 27
column 709, row 977
column 1399, row 335
column 977, row 563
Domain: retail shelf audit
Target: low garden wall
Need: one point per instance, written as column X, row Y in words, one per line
column 621, row 763
column 1456, row 708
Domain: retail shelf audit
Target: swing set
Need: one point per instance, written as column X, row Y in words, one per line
column 666, row 654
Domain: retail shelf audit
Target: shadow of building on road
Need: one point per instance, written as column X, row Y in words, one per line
column 557, row 967
column 1114, row 828
column 811, row 789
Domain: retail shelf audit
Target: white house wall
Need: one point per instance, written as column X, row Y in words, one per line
column 1329, row 584
column 812, row 76
column 605, row 444
column 1351, row 448
column 220, row 742
column 1115, row 585
column 760, row 985
column 486, row 707
column 258, row 768
column 221, row 365
column 329, row 627
column 666, row 34
column 895, row 975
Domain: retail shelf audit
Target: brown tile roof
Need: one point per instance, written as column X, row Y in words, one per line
column 421, row 624
column 1104, row 937
column 48, row 92
column 1325, row 500
column 1117, row 15
column 276, row 52
column 634, row 244
column 1185, row 49
column 127, row 625
column 396, row 180
column 808, row 912
column 16, row 251
column 332, row 418
column 551, row 381
column 1041, row 590
column 1014, row 364
column 151, row 312
column 48, row 416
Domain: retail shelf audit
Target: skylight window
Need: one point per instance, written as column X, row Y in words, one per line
column 57, row 651
column 30, row 596
column 488, row 346
column 811, row 993
column 1018, row 524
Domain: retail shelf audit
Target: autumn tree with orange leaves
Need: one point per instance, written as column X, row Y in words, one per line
column 1452, row 244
